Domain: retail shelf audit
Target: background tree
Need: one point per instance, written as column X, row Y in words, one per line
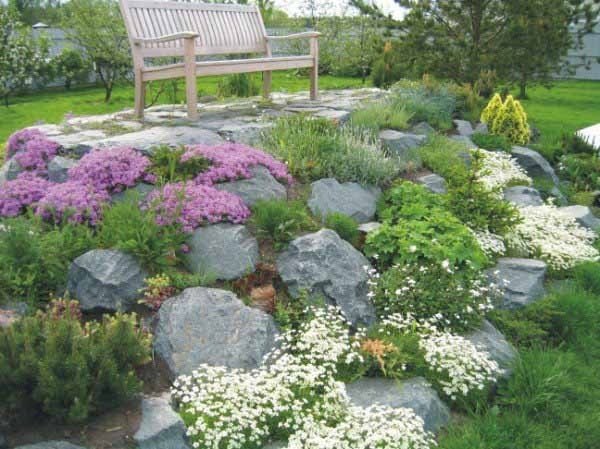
column 70, row 66
column 97, row 27
column 21, row 57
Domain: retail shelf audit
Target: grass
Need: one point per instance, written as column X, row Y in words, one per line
column 51, row 106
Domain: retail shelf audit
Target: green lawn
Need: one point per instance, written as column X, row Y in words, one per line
column 51, row 106
column 567, row 107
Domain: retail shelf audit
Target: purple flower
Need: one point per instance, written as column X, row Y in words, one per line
column 36, row 154
column 72, row 201
column 19, row 193
column 16, row 142
column 112, row 169
column 191, row 205
column 232, row 161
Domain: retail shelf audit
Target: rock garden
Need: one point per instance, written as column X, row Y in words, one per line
column 349, row 273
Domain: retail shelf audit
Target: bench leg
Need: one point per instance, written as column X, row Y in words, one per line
column 191, row 92
column 139, row 95
column 314, row 83
column 267, row 85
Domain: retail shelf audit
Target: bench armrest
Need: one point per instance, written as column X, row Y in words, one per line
column 165, row 38
column 305, row 35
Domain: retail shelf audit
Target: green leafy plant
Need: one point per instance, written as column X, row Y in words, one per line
column 317, row 148
column 407, row 200
column 575, row 144
column 35, row 257
column 346, row 227
column 491, row 142
column 52, row 362
column 582, row 170
column 238, row 85
column 280, row 220
column 444, row 156
column 168, row 166
column 128, row 227
column 380, row 115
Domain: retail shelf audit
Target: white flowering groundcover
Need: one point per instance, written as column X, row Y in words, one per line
column 499, row 170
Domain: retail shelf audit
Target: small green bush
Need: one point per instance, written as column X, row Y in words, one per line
column 587, row 276
column 52, row 362
column 344, row 226
column 491, row 142
column 317, row 148
column 507, row 119
column 168, row 167
column 407, row 200
column 280, row 220
column 128, row 227
column 238, row 85
column 35, row 257
column 582, row 170
column 381, row 115
column 574, row 144
column 440, row 237
column 444, row 156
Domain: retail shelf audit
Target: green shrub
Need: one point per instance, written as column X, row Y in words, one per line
column 456, row 299
column 581, row 170
column 574, row 144
column 35, row 257
column 52, row 362
column 508, row 120
column 238, row 85
column 316, row 148
column 407, row 200
column 280, row 220
column 346, row 227
column 491, row 142
column 381, row 115
column 128, row 227
column 587, row 276
column 444, row 156
column 440, row 237
column 389, row 67
column 168, row 167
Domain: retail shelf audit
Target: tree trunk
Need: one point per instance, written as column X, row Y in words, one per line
column 6, row 100
column 108, row 88
column 523, row 89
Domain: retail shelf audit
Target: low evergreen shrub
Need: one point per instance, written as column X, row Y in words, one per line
column 280, row 220
column 491, row 142
column 346, row 227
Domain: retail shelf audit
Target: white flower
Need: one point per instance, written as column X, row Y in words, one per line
column 412, row 248
column 499, row 170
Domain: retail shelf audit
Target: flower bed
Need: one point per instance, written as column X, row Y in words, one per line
column 17, row 195
column 73, row 202
column 32, row 150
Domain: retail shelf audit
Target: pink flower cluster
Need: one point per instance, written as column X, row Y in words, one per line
column 191, row 205
column 112, row 170
column 19, row 193
column 74, row 202
column 231, row 161
column 32, row 150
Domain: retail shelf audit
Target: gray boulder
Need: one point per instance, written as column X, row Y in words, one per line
column 414, row 393
column 523, row 196
column 211, row 326
column 400, row 144
column 51, row 445
column 434, row 183
column 489, row 339
column 58, row 168
column 142, row 190
column 261, row 186
column 10, row 170
column 105, row 279
column 583, row 215
column 464, row 128
column 247, row 133
column 422, row 128
column 329, row 268
column 481, row 128
column 161, row 426
column 223, row 250
column 371, row 226
column 349, row 198
column 524, row 280
column 337, row 116
column 534, row 164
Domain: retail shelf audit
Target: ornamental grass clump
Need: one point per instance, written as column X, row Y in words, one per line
column 190, row 205
column 24, row 191
column 232, row 161
column 553, row 236
column 112, row 170
column 72, row 202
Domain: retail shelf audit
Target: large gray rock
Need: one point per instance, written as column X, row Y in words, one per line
column 414, row 393
column 464, row 128
column 10, row 170
column 58, row 168
column 72, row 140
column 534, row 164
column 329, row 268
column 583, row 215
column 105, row 279
column 349, row 198
column 223, row 250
column 161, row 426
column 211, row 326
column 261, row 186
column 247, row 133
column 51, row 445
column 159, row 135
column 141, row 189
column 524, row 280
column 495, row 344
column 434, row 183
column 422, row 128
column 523, row 196
column 400, row 144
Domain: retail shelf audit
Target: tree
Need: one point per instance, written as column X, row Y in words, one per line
column 97, row 27
column 21, row 57
column 538, row 37
column 71, row 66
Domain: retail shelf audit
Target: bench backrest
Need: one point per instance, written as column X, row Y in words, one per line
column 222, row 28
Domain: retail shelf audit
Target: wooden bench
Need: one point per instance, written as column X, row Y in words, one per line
column 186, row 30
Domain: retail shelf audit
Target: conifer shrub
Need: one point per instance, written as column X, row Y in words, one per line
column 53, row 363
column 507, row 119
